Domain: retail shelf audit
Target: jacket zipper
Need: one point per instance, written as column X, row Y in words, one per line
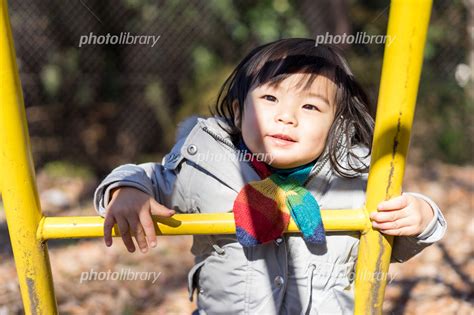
column 219, row 138
column 224, row 141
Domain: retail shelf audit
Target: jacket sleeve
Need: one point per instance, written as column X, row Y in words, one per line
column 405, row 247
column 162, row 181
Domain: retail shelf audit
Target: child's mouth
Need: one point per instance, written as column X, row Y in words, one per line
column 282, row 140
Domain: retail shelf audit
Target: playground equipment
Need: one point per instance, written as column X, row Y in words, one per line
column 30, row 229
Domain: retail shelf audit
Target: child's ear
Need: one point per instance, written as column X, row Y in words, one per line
column 237, row 116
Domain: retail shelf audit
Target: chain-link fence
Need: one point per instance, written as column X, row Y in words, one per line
column 97, row 102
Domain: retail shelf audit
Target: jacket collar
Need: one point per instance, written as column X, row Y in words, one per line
column 208, row 145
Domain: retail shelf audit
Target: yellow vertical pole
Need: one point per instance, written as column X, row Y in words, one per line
column 403, row 58
column 19, row 193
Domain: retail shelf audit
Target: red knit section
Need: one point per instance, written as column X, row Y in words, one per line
column 262, row 169
column 264, row 222
column 249, row 195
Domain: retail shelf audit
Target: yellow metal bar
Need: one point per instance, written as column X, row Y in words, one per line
column 19, row 193
column 407, row 26
column 184, row 224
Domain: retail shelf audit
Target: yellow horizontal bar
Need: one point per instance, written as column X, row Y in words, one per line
column 189, row 224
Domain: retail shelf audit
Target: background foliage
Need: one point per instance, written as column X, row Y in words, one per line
column 102, row 105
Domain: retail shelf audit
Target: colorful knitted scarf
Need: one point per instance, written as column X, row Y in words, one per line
column 263, row 208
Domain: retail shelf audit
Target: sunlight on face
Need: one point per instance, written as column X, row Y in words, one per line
column 288, row 122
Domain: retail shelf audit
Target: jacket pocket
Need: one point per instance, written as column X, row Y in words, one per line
column 193, row 278
column 222, row 280
column 329, row 289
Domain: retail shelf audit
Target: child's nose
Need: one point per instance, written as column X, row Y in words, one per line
column 286, row 117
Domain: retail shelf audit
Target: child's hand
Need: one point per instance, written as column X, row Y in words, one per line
column 404, row 215
column 131, row 209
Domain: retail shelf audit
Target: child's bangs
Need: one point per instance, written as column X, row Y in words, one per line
column 273, row 72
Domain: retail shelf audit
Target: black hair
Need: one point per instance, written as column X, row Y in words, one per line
column 274, row 62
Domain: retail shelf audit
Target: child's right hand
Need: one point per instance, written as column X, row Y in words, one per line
column 131, row 209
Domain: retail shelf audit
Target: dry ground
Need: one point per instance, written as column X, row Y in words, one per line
column 437, row 281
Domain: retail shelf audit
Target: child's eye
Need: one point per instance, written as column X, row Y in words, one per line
column 269, row 98
column 311, row 107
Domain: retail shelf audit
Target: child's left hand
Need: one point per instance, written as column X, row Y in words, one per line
column 404, row 215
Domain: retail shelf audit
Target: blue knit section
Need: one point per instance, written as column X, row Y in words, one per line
column 301, row 175
column 244, row 238
column 319, row 236
column 305, row 211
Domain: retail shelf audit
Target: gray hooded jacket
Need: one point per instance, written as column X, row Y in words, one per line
column 203, row 174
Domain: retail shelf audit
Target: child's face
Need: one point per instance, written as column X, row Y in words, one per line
column 289, row 109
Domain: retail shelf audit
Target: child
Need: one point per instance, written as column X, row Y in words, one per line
column 291, row 118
